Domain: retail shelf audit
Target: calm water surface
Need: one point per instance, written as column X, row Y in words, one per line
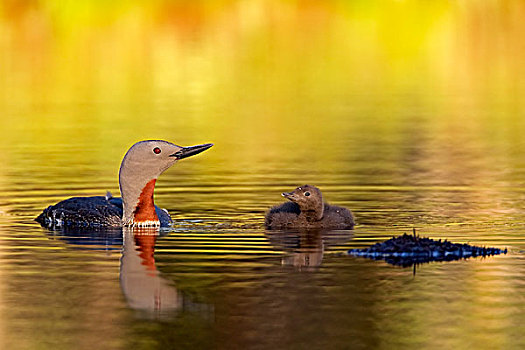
column 421, row 127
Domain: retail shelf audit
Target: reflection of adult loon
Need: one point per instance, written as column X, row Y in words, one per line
column 139, row 170
column 308, row 210
column 143, row 286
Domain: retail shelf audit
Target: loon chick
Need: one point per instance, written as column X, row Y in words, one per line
column 141, row 166
column 307, row 210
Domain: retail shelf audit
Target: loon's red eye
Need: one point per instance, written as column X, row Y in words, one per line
column 156, row 150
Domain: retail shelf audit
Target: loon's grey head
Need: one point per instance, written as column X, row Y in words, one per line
column 141, row 166
column 310, row 200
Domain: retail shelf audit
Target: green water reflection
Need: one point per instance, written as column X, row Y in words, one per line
column 410, row 113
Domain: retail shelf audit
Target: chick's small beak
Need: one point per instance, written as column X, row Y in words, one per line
column 288, row 195
column 186, row 152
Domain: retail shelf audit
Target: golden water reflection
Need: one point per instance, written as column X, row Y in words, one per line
column 410, row 113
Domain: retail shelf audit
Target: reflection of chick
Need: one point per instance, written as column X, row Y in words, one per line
column 308, row 253
column 144, row 288
column 307, row 210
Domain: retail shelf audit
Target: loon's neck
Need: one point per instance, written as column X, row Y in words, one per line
column 313, row 214
column 139, row 208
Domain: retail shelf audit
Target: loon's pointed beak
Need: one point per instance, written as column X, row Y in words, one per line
column 186, row 152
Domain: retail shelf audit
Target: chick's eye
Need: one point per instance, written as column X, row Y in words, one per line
column 156, row 150
column 307, row 194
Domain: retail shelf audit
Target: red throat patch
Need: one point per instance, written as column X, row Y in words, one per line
column 145, row 210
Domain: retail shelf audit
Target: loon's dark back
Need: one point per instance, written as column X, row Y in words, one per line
column 90, row 212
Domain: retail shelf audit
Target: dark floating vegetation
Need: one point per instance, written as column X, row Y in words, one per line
column 407, row 250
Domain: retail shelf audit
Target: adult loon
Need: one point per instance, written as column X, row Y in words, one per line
column 307, row 209
column 140, row 167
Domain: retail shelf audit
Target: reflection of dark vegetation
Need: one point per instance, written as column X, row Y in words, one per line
column 407, row 250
